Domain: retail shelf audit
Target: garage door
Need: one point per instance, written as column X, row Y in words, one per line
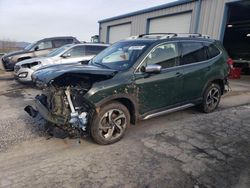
column 119, row 32
column 171, row 24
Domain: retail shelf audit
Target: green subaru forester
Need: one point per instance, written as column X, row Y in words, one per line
column 134, row 79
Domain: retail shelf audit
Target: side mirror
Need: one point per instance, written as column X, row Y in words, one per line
column 152, row 68
column 36, row 48
column 66, row 55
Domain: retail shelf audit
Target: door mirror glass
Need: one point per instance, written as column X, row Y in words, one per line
column 153, row 68
column 36, row 48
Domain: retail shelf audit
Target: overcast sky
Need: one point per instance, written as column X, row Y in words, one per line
column 31, row 20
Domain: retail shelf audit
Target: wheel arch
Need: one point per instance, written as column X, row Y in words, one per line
column 216, row 80
column 127, row 101
column 220, row 82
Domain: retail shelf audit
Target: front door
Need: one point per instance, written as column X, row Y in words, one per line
column 42, row 49
column 73, row 55
column 159, row 90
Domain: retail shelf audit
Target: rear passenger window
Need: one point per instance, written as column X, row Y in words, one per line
column 44, row 45
column 61, row 42
column 93, row 50
column 192, row 52
column 212, row 50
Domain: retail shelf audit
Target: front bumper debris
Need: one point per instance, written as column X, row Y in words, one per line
column 44, row 112
column 75, row 120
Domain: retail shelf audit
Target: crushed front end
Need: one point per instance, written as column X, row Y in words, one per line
column 63, row 104
column 63, row 101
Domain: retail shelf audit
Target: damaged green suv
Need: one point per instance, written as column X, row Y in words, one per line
column 134, row 79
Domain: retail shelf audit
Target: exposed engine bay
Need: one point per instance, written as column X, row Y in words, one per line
column 64, row 98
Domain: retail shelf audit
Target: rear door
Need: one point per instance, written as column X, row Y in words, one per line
column 178, row 23
column 196, row 68
column 118, row 32
column 159, row 90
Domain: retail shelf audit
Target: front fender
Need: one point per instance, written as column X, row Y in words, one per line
column 119, row 93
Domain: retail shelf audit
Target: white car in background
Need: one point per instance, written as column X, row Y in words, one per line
column 71, row 53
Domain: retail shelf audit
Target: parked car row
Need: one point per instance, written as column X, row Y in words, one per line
column 39, row 48
column 70, row 53
column 134, row 79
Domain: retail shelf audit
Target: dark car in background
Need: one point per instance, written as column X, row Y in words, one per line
column 135, row 79
column 39, row 48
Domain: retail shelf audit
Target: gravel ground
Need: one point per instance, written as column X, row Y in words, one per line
column 202, row 151
column 183, row 149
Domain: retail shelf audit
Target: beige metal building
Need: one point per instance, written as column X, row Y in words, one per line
column 225, row 20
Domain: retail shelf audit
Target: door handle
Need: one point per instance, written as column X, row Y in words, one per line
column 178, row 74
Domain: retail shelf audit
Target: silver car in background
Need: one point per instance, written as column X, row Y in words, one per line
column 71, row 53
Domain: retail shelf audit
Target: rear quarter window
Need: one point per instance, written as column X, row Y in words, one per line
column 192, row 52
column 212, row 50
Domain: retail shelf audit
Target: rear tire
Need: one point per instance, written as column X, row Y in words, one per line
column 109, row 125
column 211, row 98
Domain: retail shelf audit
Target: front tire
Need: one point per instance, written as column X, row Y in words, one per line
column 109, row 125
column 211, row 98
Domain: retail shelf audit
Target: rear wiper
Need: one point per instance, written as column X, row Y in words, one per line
column 96, row 63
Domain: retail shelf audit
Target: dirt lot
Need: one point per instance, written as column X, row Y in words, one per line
column 183, row 149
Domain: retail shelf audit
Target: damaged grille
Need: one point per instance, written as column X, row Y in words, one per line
column 56, row 101
column 17, row 68
column 29, row 65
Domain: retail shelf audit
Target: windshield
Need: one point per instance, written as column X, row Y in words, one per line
column 121, row 55
column 29, row 46
column 58, row 51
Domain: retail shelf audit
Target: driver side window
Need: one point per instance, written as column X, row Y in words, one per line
column 165, row 55
column 77, row 51
column 44, row 45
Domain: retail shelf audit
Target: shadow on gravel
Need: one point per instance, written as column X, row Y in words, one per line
column 13, row 94
column 6, row 78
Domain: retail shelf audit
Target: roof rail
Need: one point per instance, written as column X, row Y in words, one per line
column 169, row 35
column 193, row 35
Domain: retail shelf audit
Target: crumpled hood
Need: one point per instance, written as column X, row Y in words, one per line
column 48, row 73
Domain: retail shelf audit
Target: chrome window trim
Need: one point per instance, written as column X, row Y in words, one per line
column 178, row 66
